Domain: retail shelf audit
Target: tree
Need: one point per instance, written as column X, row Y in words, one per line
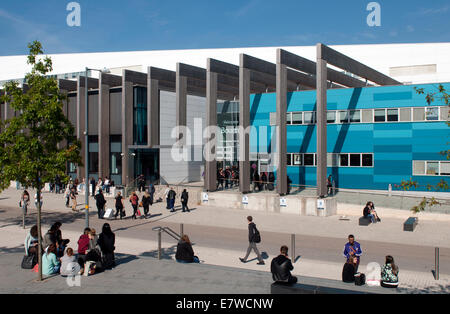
column 441, row 95
column 31, row 149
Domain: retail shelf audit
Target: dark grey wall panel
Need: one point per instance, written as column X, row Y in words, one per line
column 93, row 114
column 115, row 119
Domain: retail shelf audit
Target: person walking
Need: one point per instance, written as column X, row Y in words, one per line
column 184, row 201
column 100, row 203
column 119, row 206
column 151, row 191
column 134, row 200
column 253, row 238
column 92, row 182
column 166, row 196
column 73, row 197
column 146, row 204
column 24, row 202
column 353, row 249
column 171, row 196
column 281, row 267
column 141, row 183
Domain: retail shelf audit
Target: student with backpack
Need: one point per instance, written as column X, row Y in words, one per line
column 254, row 237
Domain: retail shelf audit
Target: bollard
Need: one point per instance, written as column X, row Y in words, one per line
column 159, row 244
column 181, row 229
column 436, row 262
column 293, row 247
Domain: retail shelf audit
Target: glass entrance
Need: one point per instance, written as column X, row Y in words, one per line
column 146, row 162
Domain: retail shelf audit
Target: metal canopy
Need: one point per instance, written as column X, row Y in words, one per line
column 350, row 65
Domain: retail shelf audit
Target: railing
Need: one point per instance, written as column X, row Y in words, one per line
column 170, row 232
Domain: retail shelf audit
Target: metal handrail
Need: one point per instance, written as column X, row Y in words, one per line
column 170, row 232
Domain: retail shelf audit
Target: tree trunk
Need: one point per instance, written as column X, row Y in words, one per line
column 38, row 193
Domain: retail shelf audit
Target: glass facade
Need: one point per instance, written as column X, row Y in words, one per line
column 140, row 116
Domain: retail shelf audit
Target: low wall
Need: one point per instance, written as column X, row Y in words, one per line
column 271, row 202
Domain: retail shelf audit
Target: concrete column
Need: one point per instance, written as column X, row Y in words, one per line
column 281, row 128
column 181, row 103
column 127, row 128
column 104, row 130
column 65, row 109
column 153, row 112
column 211, row 124
column 81, row 101
column 244, row 123
column 321, row 126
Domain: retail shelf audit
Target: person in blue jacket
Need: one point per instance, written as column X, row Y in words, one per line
column 352, row 249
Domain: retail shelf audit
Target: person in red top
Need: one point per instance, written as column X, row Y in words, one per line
column 83, row 245
column 134, row 200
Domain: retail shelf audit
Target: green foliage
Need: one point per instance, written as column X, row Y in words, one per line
column 30, row 143
column 426, row 202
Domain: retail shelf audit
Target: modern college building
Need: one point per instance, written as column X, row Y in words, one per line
column 308, row 119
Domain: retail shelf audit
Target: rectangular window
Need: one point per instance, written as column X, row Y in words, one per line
column 331, row 117
column 116, row 163
column 367, row 160
column 445, row 168
column 343, row 116
column 432, row 114
column 343, row 160
column 432, row 168
column 297, row 159
column 380, row 115
column 297, row 118
column 405, row 114
column 392, row 115
column 289, row 118
column 355, row 116
column 419, row 114
column 355, row 160
column 289, row 159
column 333, row 160
column 140, row 116
column 309, row 159
column 309, row 118
column 444, row 113
column 367, row 116
column 419, row 168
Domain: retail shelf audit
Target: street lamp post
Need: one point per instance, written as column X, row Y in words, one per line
column 86, row 146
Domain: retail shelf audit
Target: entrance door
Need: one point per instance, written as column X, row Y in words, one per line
column 146, row 163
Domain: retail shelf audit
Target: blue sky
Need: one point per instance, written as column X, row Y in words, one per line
column 117, row 25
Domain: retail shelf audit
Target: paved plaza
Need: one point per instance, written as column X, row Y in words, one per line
column 220, row 237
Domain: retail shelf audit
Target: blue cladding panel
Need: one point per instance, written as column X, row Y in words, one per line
column 394, row 145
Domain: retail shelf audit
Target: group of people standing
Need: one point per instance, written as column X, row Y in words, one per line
column 228, row 176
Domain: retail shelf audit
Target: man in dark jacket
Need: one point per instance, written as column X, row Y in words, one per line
column 252, row 239
column 281, row 267
column 100, row 202
column 171, row 196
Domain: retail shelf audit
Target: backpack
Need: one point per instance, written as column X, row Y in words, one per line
column 360, row 279
column 257, row 236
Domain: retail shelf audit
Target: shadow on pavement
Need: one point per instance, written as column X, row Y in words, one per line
column 124, row 258
column 166, row 253
column 46, row 219
column 6, row 250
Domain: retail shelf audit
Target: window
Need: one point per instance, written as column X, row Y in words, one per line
column 331, row 117
column 433, row 168
column 309, row 159
column 140, row 116
column 419, row 168
column 273, row 119
column 432, row 114
column 297, row 118
column 343, row 116
column 392, row 115
column 116, row 163
column 289, row 160
column 332, row 160
column 297, row 159
column 355, row 160
column 367, row 116
column 72, row 167
column 289, row 118
column 309, row 118
column 419, row 114
column 445, row 168
column 343, row 160
column 444, row 113
column 367, row 160
column 405, row 114
column 355, row 116
column 380, row 115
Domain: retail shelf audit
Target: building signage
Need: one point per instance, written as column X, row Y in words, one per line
column 245, row 200
column 321, row 204
column 205, row 197
column 283, row 202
